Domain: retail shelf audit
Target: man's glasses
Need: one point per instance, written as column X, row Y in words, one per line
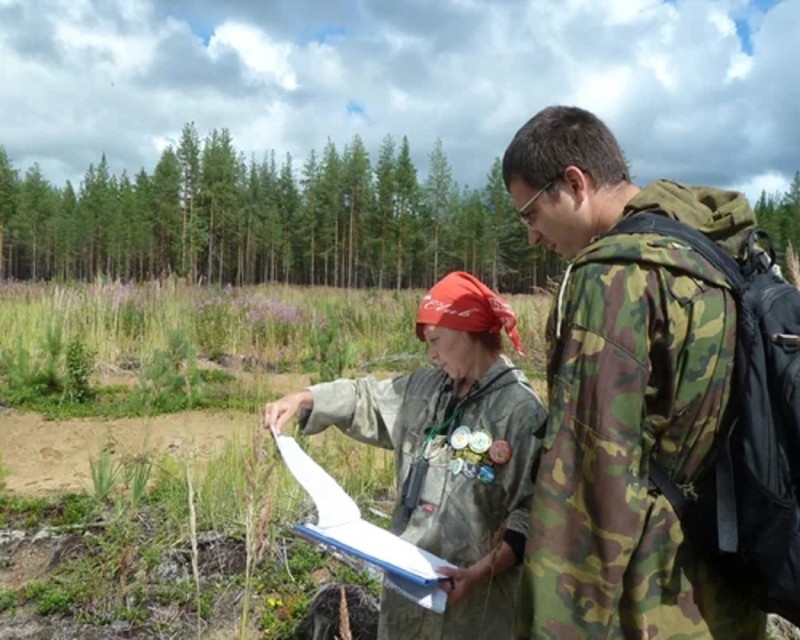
column 525, row 211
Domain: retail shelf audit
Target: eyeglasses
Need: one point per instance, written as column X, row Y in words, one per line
column 525, row 210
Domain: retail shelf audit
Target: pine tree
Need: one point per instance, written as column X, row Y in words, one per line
column 167, row 213
column 218, row 195
column 407, row 208
column 381, row 218
column 308, row 224
column 192, row 228
column 440, row 193
column 358, row 196
column 9, row 185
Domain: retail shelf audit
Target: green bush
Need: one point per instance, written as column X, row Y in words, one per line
column 171, row 380
column 79, row 366
column 58, row 375
column 8, row 600
column 50, row 598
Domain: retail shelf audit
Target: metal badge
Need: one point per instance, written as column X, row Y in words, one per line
column 500, row 452
column 457, row 465
column 470, row 470
column 486, row 475
column 460, row 438
column 480, row 441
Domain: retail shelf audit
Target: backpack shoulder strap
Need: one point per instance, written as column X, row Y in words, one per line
column 655, row 223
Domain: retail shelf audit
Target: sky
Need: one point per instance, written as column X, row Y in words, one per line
column 701, row 91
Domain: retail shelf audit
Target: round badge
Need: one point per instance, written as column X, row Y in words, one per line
column 480, row 441
column 460, row 438
column 486, row 475
column 457, row 465
column 500, row 452
column 470, row 470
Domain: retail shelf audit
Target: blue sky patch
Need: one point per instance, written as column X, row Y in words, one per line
column 356, row 109
column 765, row 5
column 743, row 24
column 743, row 31
column 326, row 34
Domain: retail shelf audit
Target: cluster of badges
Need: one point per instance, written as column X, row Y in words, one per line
column 475, row 454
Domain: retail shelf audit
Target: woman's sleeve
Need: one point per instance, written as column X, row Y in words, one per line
column 526, row 421
column 364, row 409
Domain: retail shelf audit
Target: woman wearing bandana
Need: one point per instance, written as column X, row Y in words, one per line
column 466, row 439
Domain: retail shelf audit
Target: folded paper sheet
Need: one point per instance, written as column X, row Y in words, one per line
column 411, row 571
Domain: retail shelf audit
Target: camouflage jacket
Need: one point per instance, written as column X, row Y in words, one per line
column 458, row 518
column 641, row 358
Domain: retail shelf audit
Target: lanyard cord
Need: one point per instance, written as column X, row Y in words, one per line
column 458, row 411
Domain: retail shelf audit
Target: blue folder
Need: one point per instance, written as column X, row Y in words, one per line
column 316, row 536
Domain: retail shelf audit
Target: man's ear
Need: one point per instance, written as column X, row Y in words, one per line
column 578, row 182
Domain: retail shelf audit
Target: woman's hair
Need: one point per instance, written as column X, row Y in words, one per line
column 492, row 341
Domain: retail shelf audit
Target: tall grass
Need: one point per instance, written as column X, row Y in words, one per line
column 55, row 334
column 269, row 327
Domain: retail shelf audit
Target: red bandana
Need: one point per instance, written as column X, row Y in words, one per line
column 460, row 301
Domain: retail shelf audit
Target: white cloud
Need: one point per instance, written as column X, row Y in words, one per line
column 769, row 183
column 672, row 80
column 265, row 60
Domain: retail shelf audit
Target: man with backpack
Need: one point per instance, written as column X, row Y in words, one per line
column 642, row 338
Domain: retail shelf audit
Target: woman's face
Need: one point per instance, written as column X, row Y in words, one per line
column 452, row 350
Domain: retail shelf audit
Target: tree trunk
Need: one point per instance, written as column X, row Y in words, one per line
column 351, row 242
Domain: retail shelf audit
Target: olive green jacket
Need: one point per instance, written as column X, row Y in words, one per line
column 458, row 518
column 642, row 340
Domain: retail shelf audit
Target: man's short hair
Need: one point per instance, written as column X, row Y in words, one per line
column 558, row 137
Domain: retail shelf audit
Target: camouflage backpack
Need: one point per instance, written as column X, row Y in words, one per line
column 746, row 518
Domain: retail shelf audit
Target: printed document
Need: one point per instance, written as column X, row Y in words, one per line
column 410, row 570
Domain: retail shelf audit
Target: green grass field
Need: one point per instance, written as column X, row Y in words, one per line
column 141, row 510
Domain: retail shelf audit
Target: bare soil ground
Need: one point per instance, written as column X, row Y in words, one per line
column 49, row 456
column 52, row 456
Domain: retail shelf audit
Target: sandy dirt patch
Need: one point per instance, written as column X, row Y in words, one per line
column 50, row 456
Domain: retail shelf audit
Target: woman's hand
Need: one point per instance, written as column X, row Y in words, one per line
column 461, row 582
column 277, row 414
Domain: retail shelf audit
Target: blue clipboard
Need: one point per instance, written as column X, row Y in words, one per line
column 315, row 536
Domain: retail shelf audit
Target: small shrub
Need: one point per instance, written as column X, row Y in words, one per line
column 79, row 366
column 74, row 508
column 212, row 322
column 25, row 379
column 332, row 353
column 22, row 512
column 171, row 381
column 8, row 600
column 50, row 598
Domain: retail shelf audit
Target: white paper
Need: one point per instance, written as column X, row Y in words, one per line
column 339, row 519
column 434, row 599
column 334, row 506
